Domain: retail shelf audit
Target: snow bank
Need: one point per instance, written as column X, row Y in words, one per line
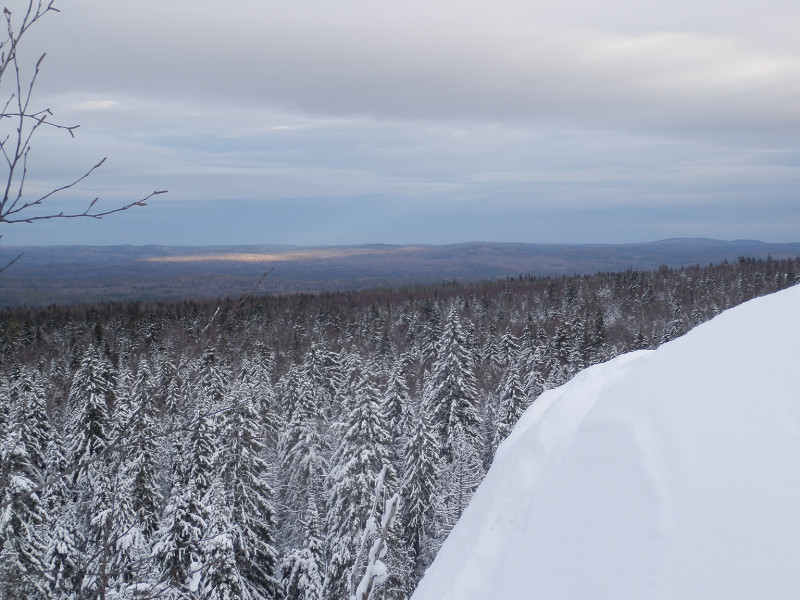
column 658, row 475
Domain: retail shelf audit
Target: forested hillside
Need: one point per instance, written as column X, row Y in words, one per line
column 231, row 449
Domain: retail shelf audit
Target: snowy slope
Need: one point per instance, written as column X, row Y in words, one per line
column 666, row 474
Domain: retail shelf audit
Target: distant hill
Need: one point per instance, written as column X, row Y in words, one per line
column 72, row 274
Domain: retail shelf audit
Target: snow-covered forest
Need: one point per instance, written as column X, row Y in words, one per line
column 659, row 474
column 232, row 449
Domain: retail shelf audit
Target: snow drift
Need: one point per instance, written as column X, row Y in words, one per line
column 663, row 474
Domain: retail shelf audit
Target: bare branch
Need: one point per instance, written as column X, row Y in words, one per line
column 258, row 283
column 38, row 116
column 16, row 145
column 15, row 259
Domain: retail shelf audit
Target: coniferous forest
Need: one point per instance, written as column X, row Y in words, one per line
column 251, row 447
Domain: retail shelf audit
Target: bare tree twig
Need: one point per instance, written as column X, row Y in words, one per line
column 13, row 260
column 23, row 122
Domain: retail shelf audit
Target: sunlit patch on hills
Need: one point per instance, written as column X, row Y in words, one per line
column 292, row 255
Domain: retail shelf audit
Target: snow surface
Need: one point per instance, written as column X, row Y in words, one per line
column 663, row 474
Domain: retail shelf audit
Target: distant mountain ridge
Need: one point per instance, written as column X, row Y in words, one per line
column 70, row 274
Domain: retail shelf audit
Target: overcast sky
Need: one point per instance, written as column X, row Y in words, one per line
column 353, row 121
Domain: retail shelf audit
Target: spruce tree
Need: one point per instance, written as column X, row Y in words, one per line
column 324, row 373
column 451, row 396
column 221, row 578
column 63, row 554
column 302, row 569
column 301, row 446
column 179, row 548
column 456, row 482
column 256, row 376
column 93, row 462
column 509, row 349
column 356, row 463
column 243, row 472
column 417, row 493
column 142, row 454
column 512, row 402
column 90, row 429
column 24, row 520
column 533, row 365
column 395, row 409
column 129, row 552
column 177, row 551
column 212, row 382
column 137, row 496
column 490, row 427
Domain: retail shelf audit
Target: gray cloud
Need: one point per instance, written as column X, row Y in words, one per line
column 523, row 106
column 493, row 62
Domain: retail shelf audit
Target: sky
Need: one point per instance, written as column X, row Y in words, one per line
column 364, row 121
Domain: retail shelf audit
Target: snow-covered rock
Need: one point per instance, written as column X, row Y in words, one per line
column 663, row 474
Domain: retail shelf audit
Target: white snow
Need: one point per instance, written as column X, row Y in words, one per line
column 663, row 474
column 195, row 574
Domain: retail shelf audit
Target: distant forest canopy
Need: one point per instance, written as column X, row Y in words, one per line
column 86, row 274
column 231, row 448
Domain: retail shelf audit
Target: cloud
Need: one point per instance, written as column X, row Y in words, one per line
column 521, row 105
column 417, row 61
column 83, row 105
